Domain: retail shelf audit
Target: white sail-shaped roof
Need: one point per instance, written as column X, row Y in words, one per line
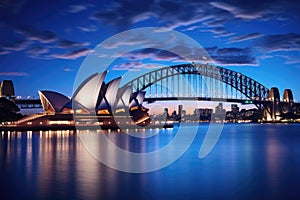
column 111, row 92
column 74, row 105
column 123, row 97
column 87, row 93
column 52, row 101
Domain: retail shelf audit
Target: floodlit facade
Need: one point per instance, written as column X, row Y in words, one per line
column 87, row 93
column 123, row 99
column 94, row 97
column 53, row 101
column 108, row 99
column 277, row 110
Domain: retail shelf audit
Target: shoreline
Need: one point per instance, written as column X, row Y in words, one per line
column 72, row 127
column 110, row 127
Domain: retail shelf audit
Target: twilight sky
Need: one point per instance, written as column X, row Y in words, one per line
column 42, row 45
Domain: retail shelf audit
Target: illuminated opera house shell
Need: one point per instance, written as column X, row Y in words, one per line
column 53, row 101
column 94, row 96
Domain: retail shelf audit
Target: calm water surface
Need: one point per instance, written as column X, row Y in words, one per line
column 250, row 161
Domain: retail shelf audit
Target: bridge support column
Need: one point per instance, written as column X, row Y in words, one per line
column 288, row 104
column 272, row 110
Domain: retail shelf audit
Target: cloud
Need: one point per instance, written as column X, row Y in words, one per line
column 77, row 8
column 135, row 66
column 71, row 44
column 68, row 69
column 16, row 46
column 219, row 32
column 290, row 59
column 72, row 55
column 232, row 56
column 36, row 35
column 192, row 14
column 223, row 34
column 219, row 56
column 171, row 13
column 238, row 11
column 4, row 52
column 123, row 13
column 154, row 55
column 280, row 42
column 133, row 39
column 214, row 22
column 241, row 38
column 191, row 28
column 142, row 17
column 91, row 28
column 13, row 74
column 37, row 51
column 178, row 22
column 263, row 10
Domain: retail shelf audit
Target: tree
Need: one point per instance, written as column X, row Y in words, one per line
column 8, row 111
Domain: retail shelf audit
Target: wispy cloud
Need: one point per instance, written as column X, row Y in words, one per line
column 241, row 38
column 192, row 13
column 232, row 56
column 135, row 66
column 68, row 69
column 191, row 28
column 41, row 36
column 154, row 55
column 37, row 51
column 16, row 46
column 238, row 11
column 215, row 22
column 72, row 55
column 13, row 74
column 142, row 17
column 171, row 13
column 133, row 39
column 290, row 59
column 71, row 44
column 280, row 42
column 77, row 8
column 219, row 32
column 91, row 28
column 4, row 52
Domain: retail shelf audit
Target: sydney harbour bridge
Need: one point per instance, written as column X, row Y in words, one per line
column 205, row 82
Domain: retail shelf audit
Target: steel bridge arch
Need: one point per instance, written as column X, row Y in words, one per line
column 242, row 83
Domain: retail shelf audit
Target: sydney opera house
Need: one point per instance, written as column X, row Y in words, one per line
column 93, row 103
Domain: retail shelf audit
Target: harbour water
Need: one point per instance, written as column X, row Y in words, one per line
column 249, row 161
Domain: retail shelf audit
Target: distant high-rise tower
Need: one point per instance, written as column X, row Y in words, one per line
column 7, row 89
column 235, row 110
column 166, row 113
column 180, row 110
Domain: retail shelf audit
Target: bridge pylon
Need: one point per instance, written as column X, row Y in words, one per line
column 275, row 110
column 272, row 111
column 288, row 104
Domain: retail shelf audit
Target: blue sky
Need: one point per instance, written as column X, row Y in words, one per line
column 42, row 44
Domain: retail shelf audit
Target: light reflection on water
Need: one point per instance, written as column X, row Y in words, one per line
column 250, row 161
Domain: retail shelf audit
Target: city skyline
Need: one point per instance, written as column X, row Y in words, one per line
column 43, row 45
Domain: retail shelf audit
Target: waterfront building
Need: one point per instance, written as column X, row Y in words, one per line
column 7, row 90
column 93, row 99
